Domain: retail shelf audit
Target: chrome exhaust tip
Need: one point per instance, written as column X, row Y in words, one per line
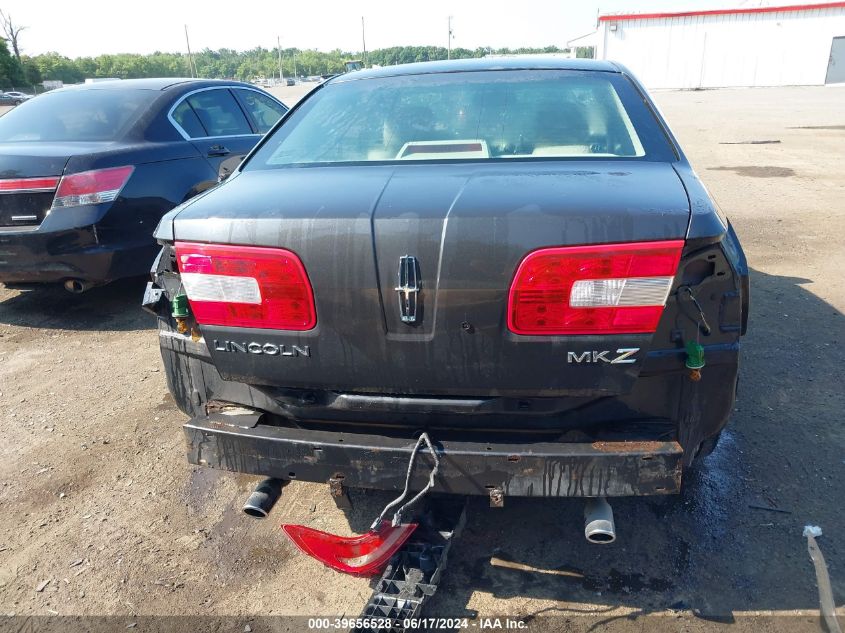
column 598, row 521
column 78, row 286
column 263, row 498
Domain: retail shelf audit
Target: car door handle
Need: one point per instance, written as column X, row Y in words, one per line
column 218, row 150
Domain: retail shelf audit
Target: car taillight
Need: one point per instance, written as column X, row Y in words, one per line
column 359, row 555
column 246, row 286
column 601, row 289
column 26, row 185
column 91, row 187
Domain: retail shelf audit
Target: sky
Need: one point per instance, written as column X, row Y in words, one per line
column 93, row 27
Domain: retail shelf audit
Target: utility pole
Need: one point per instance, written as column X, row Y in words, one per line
column 294, row 66
column 191, row 66
column 279, row 46
column 364, row 40
column 449, row 50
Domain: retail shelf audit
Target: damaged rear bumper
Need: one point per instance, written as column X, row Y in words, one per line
column 556, row 469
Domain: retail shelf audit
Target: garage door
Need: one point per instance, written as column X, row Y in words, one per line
column 836, row 65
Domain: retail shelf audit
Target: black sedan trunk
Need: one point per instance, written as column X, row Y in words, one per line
column 468, row 227
column 29, row 174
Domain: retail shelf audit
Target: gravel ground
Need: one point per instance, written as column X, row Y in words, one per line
column 97, row 501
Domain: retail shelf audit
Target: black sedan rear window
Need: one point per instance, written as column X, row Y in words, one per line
column 75, row 115
column 542, row 114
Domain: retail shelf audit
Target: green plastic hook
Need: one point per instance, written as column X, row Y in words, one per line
column 179, row 306
column 695, row 355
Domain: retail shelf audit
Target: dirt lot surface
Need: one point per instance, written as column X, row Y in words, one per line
column 97, row 501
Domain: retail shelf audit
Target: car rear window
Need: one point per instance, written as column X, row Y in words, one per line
column 75, row 115
column 188, row 120
column 501, row 115
column 219, row 113
column 263, row 110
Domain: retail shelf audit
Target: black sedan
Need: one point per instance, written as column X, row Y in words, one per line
column 510, row 254
column 87, row 172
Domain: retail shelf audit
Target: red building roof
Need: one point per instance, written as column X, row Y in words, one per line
column 681, row 14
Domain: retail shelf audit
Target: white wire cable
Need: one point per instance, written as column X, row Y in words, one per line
column 397, row 516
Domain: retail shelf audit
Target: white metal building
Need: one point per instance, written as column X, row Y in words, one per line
column 754, row 46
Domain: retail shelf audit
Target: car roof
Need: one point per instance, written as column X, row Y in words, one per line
column 515, row 62
column 160, row 83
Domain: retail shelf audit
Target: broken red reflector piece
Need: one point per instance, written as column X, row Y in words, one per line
column 362, row 555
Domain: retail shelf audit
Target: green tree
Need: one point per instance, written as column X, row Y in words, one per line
column 55, row 67
column 11, row 73
column 243, row 65
column 32, row 75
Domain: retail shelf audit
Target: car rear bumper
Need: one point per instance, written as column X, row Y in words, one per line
column 30, row 256
column 619, row 468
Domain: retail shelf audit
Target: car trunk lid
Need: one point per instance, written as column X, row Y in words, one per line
column 29, row 175
column 467, row 226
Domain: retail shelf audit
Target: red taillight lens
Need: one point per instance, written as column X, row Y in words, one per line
column 246, row 286
column 91, row 187
column 361, row 555
column 602, row 289
column 22, row 185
